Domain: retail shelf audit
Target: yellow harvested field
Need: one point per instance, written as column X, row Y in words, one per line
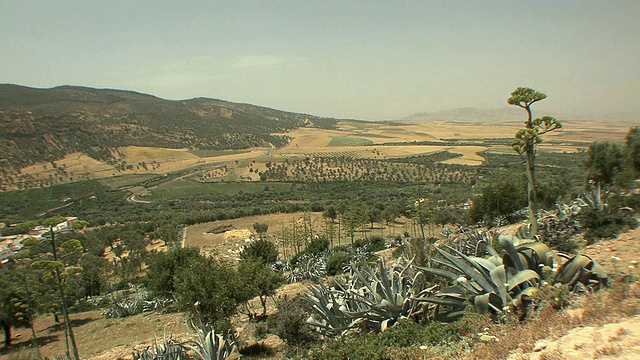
column 137, row 153
column 309, row 137
column 178, row 159
column 371, row 151
column 469, row 155
column 249, row 154
column 76, row 163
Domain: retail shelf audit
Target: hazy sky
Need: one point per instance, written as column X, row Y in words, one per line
column 358, row 59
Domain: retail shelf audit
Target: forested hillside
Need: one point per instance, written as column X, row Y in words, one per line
column 47, row 124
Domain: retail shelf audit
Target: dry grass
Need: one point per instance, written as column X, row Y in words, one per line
column 97, row 337
column 619, row 302
column 227, row 243
column 221, row 244
column 76, row 163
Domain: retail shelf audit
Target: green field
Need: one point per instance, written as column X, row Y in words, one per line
column 214, row 153
column 28, row 204
column 125, row 180
column 189, row 189
column 349, row 141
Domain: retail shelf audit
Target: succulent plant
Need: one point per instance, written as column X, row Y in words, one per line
column 308, row 267
column 168, row 349
column 507, row 280
column 157, row 303
column 490, row 284
column 124, row 308
column 474, row 243
column 210, row 345
column 581, row 269
column 374, row 298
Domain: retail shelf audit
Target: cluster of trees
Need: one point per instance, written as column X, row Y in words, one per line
column 214, row 289
column 322, row 169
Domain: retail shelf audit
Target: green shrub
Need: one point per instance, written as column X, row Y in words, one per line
column 257, row 349
column 164, row 266
column 290, row 322
column 385, row 345
column 373, row 244
column 261, row 249
column 336, row 263
column 498, row 199
column 317, row 245
column 605, row 225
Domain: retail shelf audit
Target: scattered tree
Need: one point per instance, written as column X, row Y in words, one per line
column 499, row 199
column 261, row 229
column 632, row 149
column 604, row 162
column 258, row 281
column 211, row 288
column 263, row 250
column 163, row 266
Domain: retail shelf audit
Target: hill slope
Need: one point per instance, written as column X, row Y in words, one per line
column 47, row 124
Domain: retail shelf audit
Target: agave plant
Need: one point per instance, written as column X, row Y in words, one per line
column 309, row 267
column 496, row 283
column 124, row 308
column 210, row 345
column 168, row 349
column 474, row 243
column 595, row 198
column 558, row 229
column 581, row 269
column 157, row 303
column 374, row 298
column 335, row 312
column 490, row 284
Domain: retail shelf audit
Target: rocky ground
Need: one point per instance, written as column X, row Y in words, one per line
column 620, row 340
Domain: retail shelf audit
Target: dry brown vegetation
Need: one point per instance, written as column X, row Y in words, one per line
column 99, row 338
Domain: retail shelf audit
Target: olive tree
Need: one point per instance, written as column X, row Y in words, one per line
column 604, row 160
column 526, row 140
column 632, row 148
column 260, row 228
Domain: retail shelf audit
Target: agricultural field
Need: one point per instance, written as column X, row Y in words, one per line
column 225, row 238
column 351, row 139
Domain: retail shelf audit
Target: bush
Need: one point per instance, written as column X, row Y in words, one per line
column 336, row 263
column 317, row 245
column 404, row 338
column 257, row 349
column 498, row 199
column 373, row 244
column 261, row 249
column 211, row 288
column 290, row 322
column 164, row 266
column 605, row 225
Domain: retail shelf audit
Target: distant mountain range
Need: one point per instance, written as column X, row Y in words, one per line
column 512, row 113
column 47, row 124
